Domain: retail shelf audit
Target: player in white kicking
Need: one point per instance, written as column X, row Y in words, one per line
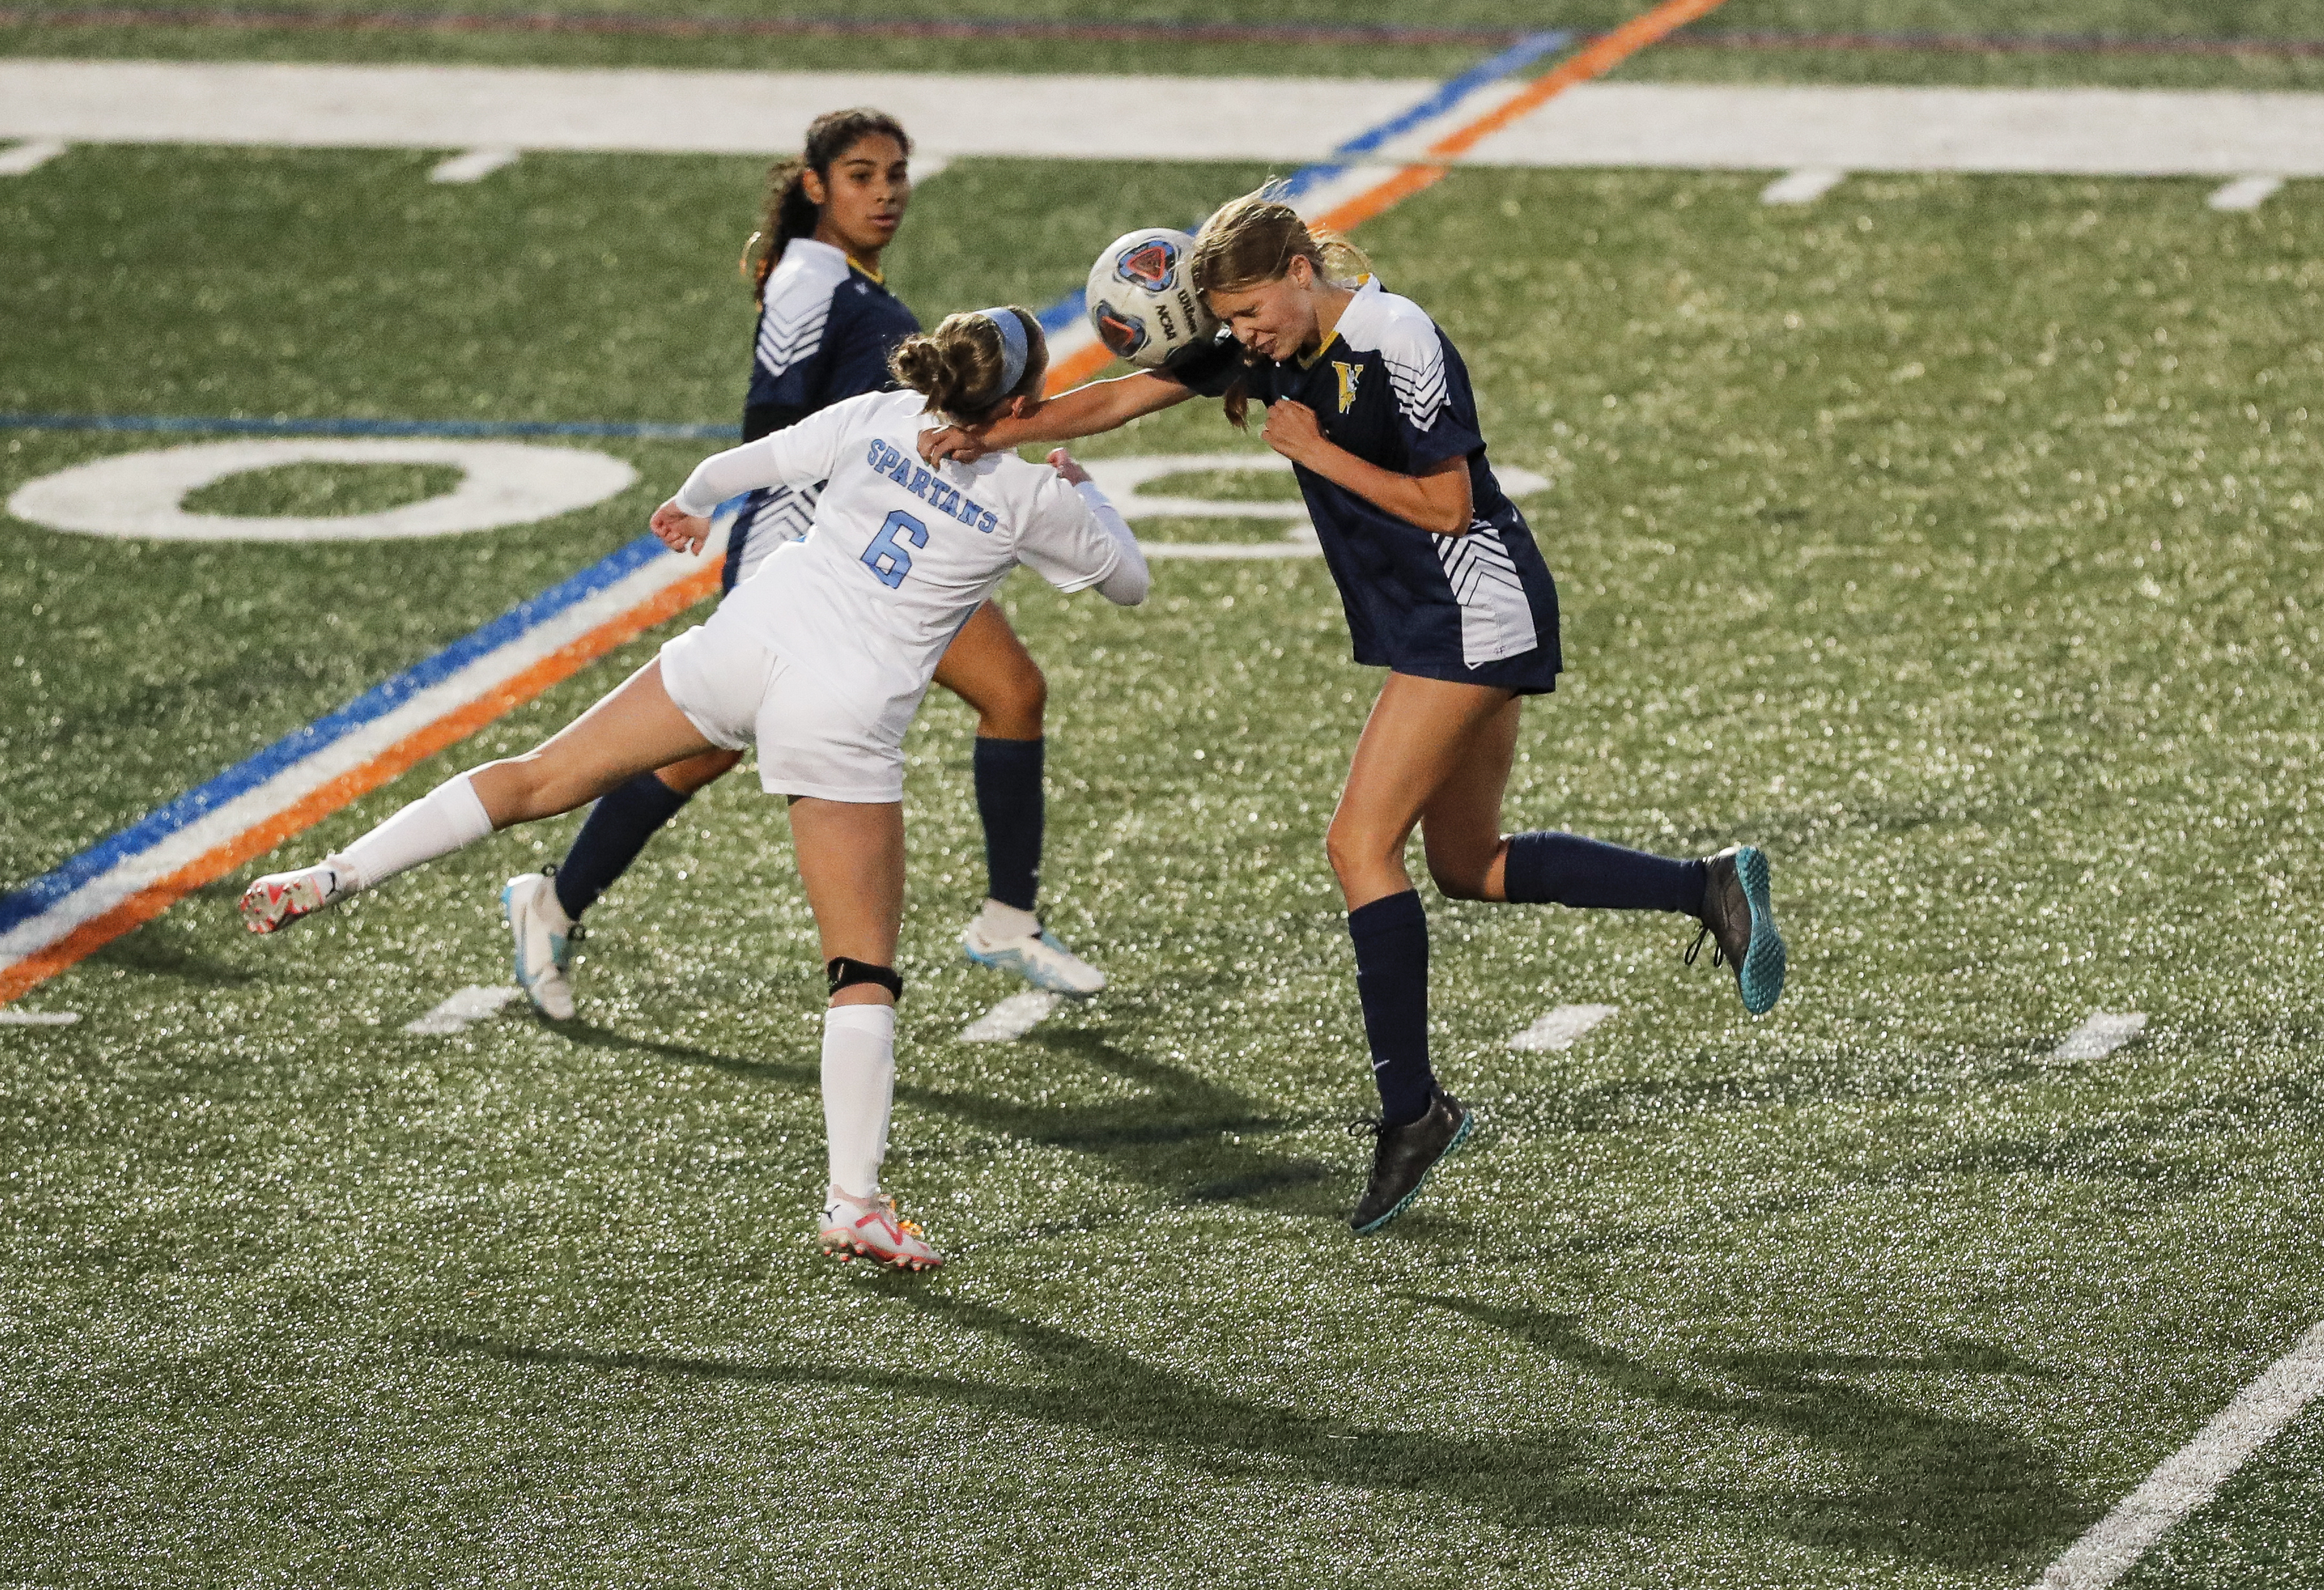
column 820, row 659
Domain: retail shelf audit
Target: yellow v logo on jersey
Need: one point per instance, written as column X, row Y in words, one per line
column 1349, row 375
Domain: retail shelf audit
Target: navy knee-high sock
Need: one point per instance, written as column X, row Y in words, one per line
column 1565, row 869
column 1391, row 938
column 617, row 828
column 1009, row 799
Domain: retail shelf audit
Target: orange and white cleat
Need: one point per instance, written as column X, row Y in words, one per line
column 871, row 1228
column 279, row 899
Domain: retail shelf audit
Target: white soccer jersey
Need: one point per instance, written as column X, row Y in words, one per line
column 899, row 555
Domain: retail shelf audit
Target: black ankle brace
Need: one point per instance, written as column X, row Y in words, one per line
column 844, row 973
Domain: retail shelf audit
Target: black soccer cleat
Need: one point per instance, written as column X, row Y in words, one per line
column 1740, row 918
column 1405, row 1155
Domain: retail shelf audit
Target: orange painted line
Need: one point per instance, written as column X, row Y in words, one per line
column 1385, row 196
column 1077, row 367
column 1599, row 55
column 157, row 897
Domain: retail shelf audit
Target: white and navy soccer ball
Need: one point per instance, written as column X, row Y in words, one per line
column 1140, row 302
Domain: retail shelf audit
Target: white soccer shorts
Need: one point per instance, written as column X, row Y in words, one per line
column 739, row 693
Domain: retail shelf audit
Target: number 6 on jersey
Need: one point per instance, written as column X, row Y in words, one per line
column 884, row 558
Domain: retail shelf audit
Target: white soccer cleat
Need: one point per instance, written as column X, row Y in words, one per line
column 545, row 937
column 279, row 899
column 1017, row 942
column 871, row 1228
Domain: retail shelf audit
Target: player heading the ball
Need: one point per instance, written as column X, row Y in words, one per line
column 820, row 659
column 1442, row 586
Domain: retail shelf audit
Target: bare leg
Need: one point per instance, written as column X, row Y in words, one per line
column 635, row 729
column 1460, row 826
column 696, row 773
column 988, row 667
column 1432, row 746
column 850, row 862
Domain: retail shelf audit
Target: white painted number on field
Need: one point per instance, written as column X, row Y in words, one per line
column 2105, row 1033
column 470, row 1005
column 1804, row 186
column 473, row 166
column 1561, row 1027
column 2191, row 1477
column 1012, row 1019
column 27, row 158
column 38, row 1018
column 2245, row 193
column 139, row 493
column 1124, row 480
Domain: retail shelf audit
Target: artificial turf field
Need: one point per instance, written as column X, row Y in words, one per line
column 1953, row 538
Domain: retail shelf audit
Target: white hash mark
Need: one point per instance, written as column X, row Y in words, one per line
column 471, row 1003
column 1012, row 1019
column 2098, row 1037
column 1561, row 1028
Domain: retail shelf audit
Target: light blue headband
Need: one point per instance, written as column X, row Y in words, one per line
column 1013, row 349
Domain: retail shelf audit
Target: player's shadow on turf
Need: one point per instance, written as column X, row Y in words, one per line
column 175, row 945
column 1180, row 1132
column 1083, row 1384
column 1963, row 1492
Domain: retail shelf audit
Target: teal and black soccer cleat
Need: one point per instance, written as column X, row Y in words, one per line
column 1740, row 919
column 1403, row 1157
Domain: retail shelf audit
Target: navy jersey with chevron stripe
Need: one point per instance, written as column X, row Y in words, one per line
column 1482, row 608
column 823, row 335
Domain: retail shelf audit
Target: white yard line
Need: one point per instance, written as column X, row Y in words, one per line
column 473, row 166
column 2103, row 1034
column 2246, row 193
column 2092, row 131
column 326, row 107
column 2064, row 132
column 12, row 1017
column 2193, row 1475
column 1804, row 186
column 1012, row 1019
column 472, row 1004
column 1561, row 1028
column 29, row 157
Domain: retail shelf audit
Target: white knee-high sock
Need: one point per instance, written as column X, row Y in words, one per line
column 859, row 1091
column 440, row 822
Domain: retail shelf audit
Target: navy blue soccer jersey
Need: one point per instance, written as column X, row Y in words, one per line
column 1390, row 387
column 823, row 335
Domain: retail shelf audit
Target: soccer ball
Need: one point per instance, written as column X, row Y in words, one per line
column 1139, row 301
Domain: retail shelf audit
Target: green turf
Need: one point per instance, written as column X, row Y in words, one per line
column 1952, row 539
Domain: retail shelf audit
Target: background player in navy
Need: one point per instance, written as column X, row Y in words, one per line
column 827, row 326
column 1442, row 586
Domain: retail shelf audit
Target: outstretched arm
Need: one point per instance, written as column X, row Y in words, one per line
column 1085, row 411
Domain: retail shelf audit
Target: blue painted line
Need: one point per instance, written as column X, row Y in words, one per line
column 370, row 706
column 636, row 430
column 1521, row 55
column 1450, row 93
